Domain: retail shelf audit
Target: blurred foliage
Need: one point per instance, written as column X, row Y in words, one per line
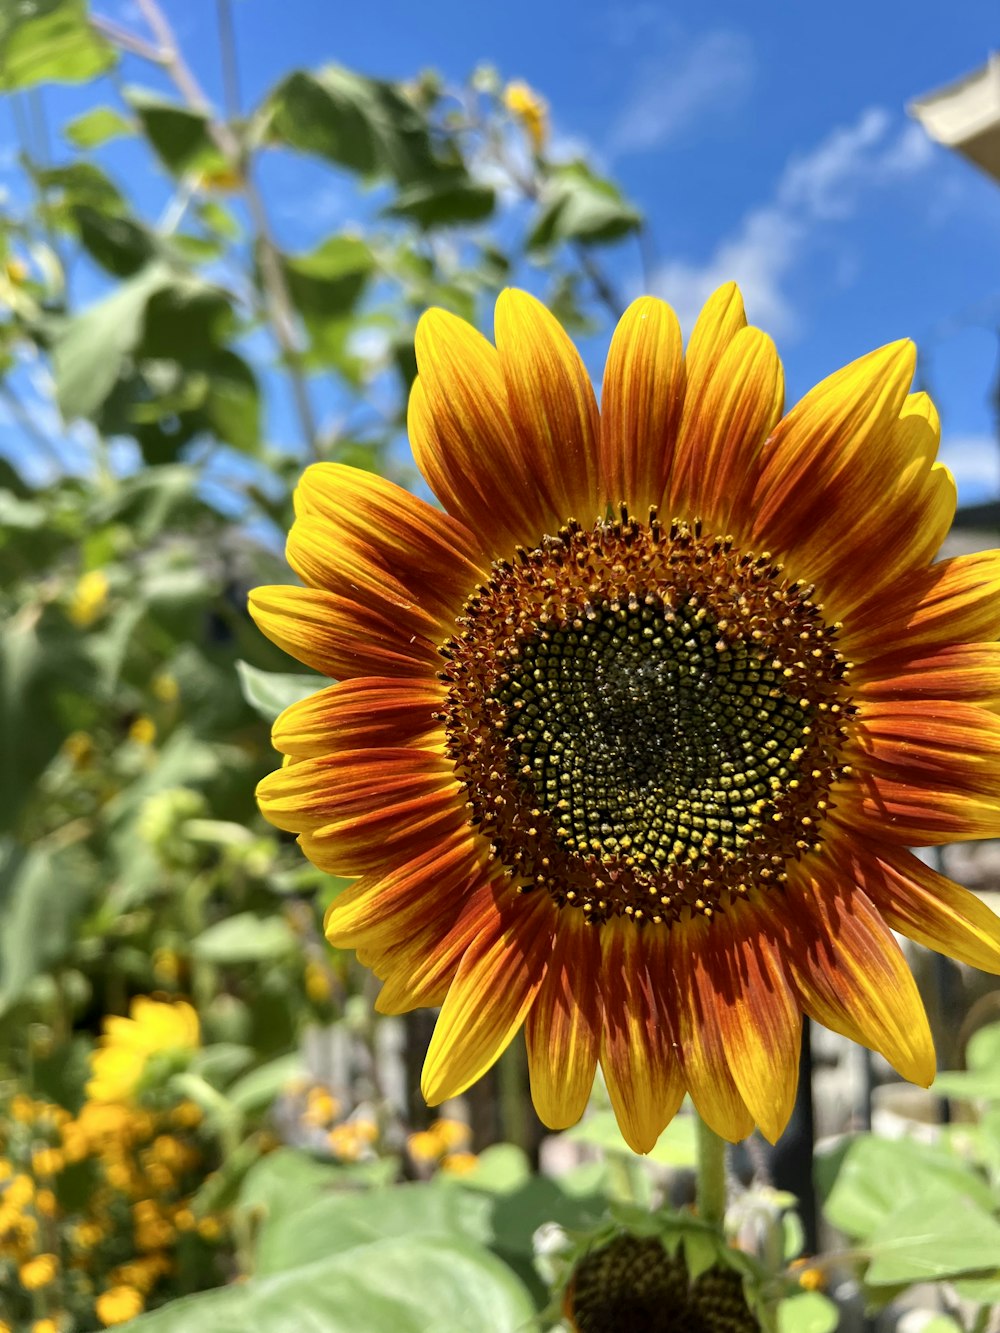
column 168, row 364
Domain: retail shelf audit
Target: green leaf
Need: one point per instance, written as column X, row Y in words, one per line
column 245, row 938
column 49, row 41
column 258, row 1089
column 325, row 286
column 676, row 1146
column 270, row 692
column 938, row 1235
column 98, row 127
column 400, row 1285
column 445, row 201
column 365, row 125
column 37, row 924
column 89, row 350
column 342, row 1221
column 807, row 1312
column 118, row 244
column 180, row 137
column 231, row 405
column 284, row 1181
column 878, row 1177
column 984, row 1048
column 577, row 205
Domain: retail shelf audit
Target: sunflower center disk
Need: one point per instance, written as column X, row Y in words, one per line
column 647, row 721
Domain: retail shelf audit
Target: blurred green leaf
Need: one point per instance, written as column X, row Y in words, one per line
column 270, row 692
column 676, row 1146
column 97, row 127
column 807, row 1312
column 578, row 205
column 365, row 125
column 399, row 1285
column 256, row 1090
column 342, row 1221
column 938, row 1234
column 180, row 136
column 444, row 201
column 49, row 41
column 118, row 244
column 41, row 902
column 878, row 1177
column 245, row 938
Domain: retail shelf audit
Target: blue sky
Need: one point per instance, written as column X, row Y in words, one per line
column 767, row 143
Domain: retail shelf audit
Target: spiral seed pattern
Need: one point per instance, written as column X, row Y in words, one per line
column 646, row 720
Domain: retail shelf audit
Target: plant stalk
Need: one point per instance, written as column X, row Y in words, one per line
column 711, row 1175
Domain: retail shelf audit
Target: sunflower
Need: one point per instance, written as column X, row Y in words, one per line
column 629, row 743
column 154, row 1028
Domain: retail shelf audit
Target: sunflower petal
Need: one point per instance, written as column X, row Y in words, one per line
column 849, row 971
column 965, row 672
column 926, row 742
column 367, row 712
column 641, row 404
column 640, row 1068
column 495, row 986
column 338, row 636
column 563, row 1027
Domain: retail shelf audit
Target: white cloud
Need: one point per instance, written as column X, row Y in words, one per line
column 814, row 190
column 709, row 75
column 975, row 462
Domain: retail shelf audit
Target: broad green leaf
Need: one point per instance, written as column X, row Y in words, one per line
column 365, row 125
column 807, row 1312
column 973, row 1084
column 231, row 406
column 500, row 1169
column 49, row 41
column 878, row 1177
column 118, row 244
column 343, row 1221
column 984, row 1048
column 42, row 898
column 245, row 938
column 179, row 136
column 270, row 692
column 325, row 286
column 983, row 1290
column 444, row 201
column 577, row 205
column 89, row 350
column 97, row 127
column 937, row 1234
column 258, row 1089
column 286, row 1180
column 400, row 1285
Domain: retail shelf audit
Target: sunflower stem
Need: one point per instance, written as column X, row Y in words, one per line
column 711, row 1174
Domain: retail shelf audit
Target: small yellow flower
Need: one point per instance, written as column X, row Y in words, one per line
column 812, row 1279
column 167, row 966
column 165, row 687
column 46, row 1203
column 44, row 1326
column 118, row 1305
column 321, row 1107
column 186, row 1115
column 86, row 1235
column 184, row 1219
column 210, row 1228
column 531, row 109
column 126, row 1044
column 6, row 1169
column 20, row 1191
column 344, row 1142
column 143, row 730
column 22, row 1108
column 38, row 1272
column 317, row 982
column 423, row 1146
column 451, row 1134
column 459, row 1163
column 90, row 598
column 47, row 1162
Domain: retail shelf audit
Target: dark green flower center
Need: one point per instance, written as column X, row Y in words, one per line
column 645, row 721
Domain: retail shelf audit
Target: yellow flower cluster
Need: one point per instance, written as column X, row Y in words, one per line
column 443, row 1146
column 153, row 1028
column 89, row 599
column 530, row 109
column 92, row 1206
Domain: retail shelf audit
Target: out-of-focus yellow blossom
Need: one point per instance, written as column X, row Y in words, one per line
column 423, row 1146
column 47, row 1161
column 20, row 1191
column 319, row 987
column 4, row 1326
column 90, row 598
column 16, row 271
column 44, row 1326
column 531, row 109
column 186, row 1115
column 167, row 966
column 812, row 1279
column 345, row 1142
column 210, row 1228
column 184, row 1219
column 451, row 1134
column 78, row 747
column 118, row 1305
column 459, row 1163
column 38, row 1272
column 165, row 687
column 143, row 730
column 6, row 1170
column 46, row 1203
column 126, row 1044
column 321, row 1107
column 22, row 1108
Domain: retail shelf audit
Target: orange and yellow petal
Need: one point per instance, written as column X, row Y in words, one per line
column 641, row 403
column 563, row 1027
column 496, row 983
column 373, row 522
column 339, row 636
column 849, row 972
column 962, row 673
column 366, row 712
column 639, row 1061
